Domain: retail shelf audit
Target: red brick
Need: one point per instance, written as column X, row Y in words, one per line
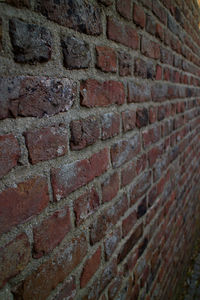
column 140, row 187
column 153, row 154
column 159, row 32
column 158, row 72
column 14, row 257
column 96, row 93
column 125, row 63
column 142, row 117
column 130, row 243
column 9, row 153
column 129, row 223
column 110, row 187
column 128, row 120
column 108, row 218
column 150, row 48
column 90, row 267
column 139, row 16
column 70, row 177
column 123, row 34
column 139, row 92
column 30, row 96
column 151, row 136
column 110, row 125
column 140, row 68
column 46, row 143
column 125, row 150
column 128, row 174
column 106, row 59
column 112, row 242
column 68, row 291
column 85, row 19
column 124, row 8
column 84, row 132
column 51, row 232
column 40, row 283
column 86, row 205
column 152, row 114
column 20, row 204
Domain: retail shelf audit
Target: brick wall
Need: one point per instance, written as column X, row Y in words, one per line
column 99, row 147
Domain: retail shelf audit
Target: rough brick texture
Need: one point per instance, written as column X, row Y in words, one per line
column 99, row 148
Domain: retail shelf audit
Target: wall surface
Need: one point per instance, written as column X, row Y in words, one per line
column 99, row 147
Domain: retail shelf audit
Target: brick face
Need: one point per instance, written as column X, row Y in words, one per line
column 99, row 147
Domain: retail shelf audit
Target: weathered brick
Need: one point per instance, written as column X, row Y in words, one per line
column 159, row 92
column 47, row 276
column 141, row 163
column 76, row 53
column 124, row 8
column 77, row 14
column 159, row 12
column 130, row 243
column 139, row 16
column 150, row 48
column 106, row 59
column 51, row 232
column 138, row 92
column 114, row 287
column 67, row 291
column 20, row 204
column 140, row 187
column 110, row 125
column 14, row 257
column 19, row 3
column 128, row 223
column 140, row 68
column 46, row 143
column 166, row 56
column 152, row 114
column 9, row 153
column 125, row 64
column 107, row 219
column 96, row 93
column 28, row 96
column 90, row 267
column 112, row 242
column 151, row 136
column 110, row 187
column 123, row 34
column 31, row 43
column 142, row 117
column 84, row 132
column 70, row 177
column 125, row 150
column 128, row 120
column 86, row 205
column 150, row 24
column 128, row 174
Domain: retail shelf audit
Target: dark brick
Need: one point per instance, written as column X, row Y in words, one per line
column 1, row 34
column 9, row 153
column 31, row 43
column 84, row 132
column 151, row 70
column 77, row 14
column 19, row 3
column 76, row 53
column 106, row 2
column 140, row 68
column 28, row 96
column 142, row 208
column 125, row 64
column 160, row 92
column 124, row 8
column 142, row 117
